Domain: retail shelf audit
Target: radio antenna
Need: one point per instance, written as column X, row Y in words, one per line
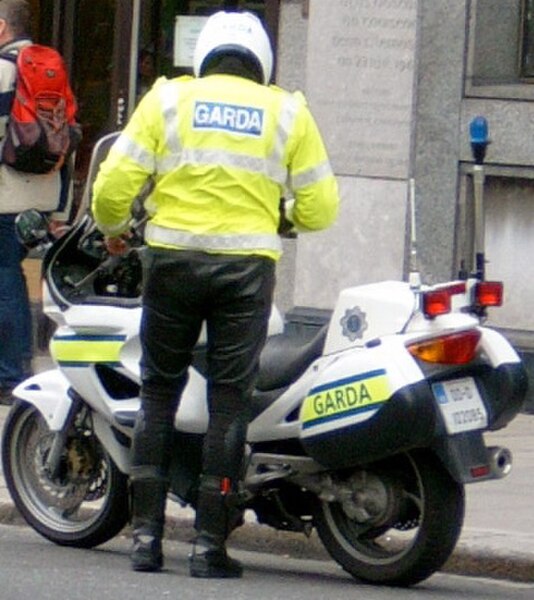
column 414, row 276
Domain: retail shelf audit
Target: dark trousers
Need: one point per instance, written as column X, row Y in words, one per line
column 15, row 315
column 233, row 296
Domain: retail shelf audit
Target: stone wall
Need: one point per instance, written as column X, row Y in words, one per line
column 360, row 65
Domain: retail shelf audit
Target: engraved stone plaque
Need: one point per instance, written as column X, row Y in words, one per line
column 360, row 72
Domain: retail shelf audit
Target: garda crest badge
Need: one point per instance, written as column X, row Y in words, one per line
column 353, row 323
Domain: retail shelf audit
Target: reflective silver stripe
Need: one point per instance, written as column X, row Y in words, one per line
column 178, row 156
column 169, row 103
column 311, row 176
column 285, row 124
column 136, row 152
column 199, row 156
column 184, row 239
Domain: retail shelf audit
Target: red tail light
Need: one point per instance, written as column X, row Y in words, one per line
column 453, row 349
column 488, row 293
column 436, row 302
column 455, row 287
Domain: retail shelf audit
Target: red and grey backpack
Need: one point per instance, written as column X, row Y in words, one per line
column 42, row 131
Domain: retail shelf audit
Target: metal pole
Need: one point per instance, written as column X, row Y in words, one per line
column 479, row 143
column 479, row 221
column 134, row 57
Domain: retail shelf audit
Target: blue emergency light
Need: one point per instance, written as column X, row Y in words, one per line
column 478, row 129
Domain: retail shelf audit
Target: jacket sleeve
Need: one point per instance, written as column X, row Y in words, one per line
column 130, row 163
column 312, row 181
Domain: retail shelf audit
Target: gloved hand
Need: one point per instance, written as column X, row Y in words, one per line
column 118, row 245
column 285, row 225
column 57, row 228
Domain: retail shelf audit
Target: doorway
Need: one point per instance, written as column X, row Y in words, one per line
column 115, row 50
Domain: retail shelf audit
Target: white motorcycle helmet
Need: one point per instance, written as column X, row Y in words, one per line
column 238, row 33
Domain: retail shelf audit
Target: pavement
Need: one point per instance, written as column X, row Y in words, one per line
column 497, row 539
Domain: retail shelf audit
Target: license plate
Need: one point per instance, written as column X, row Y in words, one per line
column 461, row 405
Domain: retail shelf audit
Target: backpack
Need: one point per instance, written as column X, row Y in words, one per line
column 41, row 131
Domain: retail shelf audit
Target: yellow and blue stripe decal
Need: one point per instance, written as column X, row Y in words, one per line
column 345, row 398
column 83, row 350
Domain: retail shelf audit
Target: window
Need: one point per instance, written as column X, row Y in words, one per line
column 112, row 63
column 500, row 60
column 494, row 32
column 527, row 40
column 158, row 22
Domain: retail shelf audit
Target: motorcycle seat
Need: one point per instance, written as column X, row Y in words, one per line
column 286, row 356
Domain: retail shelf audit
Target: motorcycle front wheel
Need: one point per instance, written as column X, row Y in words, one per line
column 85, row 504
column 413, row 513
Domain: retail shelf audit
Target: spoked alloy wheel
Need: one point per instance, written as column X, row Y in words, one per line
column 85, row 505
column 396, row 525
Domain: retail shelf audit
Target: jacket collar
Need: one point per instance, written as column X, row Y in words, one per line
column 15, row 45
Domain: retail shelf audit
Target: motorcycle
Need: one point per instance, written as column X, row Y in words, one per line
column 366, row 429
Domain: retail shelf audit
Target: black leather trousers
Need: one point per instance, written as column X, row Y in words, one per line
column 233, row 296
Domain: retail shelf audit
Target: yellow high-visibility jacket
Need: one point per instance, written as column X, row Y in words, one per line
column 221, row 151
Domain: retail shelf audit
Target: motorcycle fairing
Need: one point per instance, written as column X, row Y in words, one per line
column 405, row 421
column 48, row 392
column 355, row 386
column 356, row 397
column 339, row 434
column 86, row 349
column 367, row 312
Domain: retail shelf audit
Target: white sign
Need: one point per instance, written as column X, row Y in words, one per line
column 186, row 32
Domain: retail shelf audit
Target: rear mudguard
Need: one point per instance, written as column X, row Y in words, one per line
column 48, row 392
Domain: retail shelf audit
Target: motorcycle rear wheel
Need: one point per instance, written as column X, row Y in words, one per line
column 411, row 546
column 85, row 506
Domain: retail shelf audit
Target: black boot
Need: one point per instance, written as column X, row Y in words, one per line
column 147, row 554
column 209, row 558
column 148, row 517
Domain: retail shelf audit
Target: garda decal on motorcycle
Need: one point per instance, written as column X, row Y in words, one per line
column 245, row 120
column 355, row 398
column 83, row 350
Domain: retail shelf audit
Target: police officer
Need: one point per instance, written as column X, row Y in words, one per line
column 221, row 148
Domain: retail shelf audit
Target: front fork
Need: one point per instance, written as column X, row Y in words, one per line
column 59, row 440
column 58, row 404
